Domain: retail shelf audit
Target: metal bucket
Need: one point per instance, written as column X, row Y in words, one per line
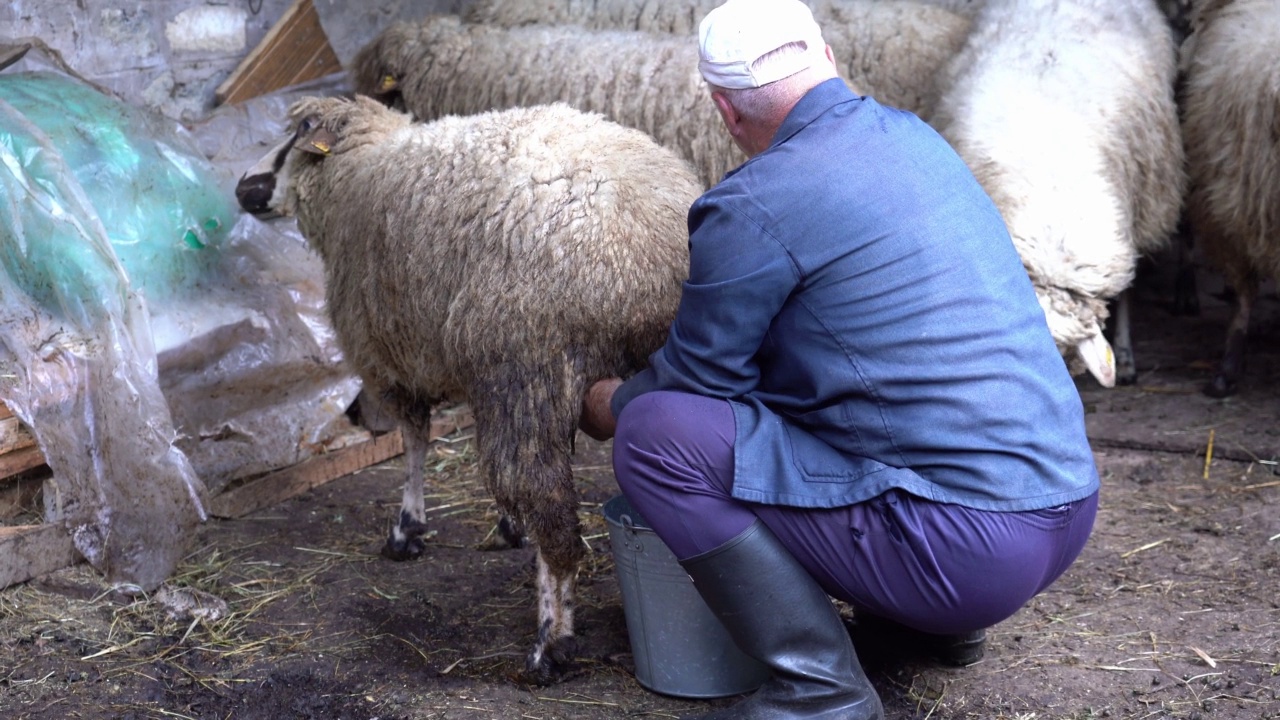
column 679, row 646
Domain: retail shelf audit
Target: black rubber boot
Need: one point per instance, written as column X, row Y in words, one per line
column 778, row 614
column 881, row 637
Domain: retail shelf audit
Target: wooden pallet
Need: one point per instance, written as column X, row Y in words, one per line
column 27, row 551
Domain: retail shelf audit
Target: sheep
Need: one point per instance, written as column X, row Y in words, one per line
column 1231, row 128
column 964, row 7
column 676, row 17
column 441, row 65
column 508, row 260
column 1064, row 110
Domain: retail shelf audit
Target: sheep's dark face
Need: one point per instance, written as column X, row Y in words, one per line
column 261, row 189
column 264, row 189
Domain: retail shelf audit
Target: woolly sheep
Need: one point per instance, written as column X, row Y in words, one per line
column 889, row 48
column 964, row 7
column 441, row 65
column 676, row 17
column 1231, row 128
column 508, row 260
column 1064, row 110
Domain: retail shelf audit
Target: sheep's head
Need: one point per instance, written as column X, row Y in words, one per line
column 264, row 189
column 323, row 126
column 1075, row 320
column 380, row 66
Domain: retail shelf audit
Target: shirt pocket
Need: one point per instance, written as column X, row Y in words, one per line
column 818, row 461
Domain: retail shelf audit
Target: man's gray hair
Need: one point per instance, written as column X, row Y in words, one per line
column 768, row 101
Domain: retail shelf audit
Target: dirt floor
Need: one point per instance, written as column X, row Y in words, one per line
column 1173, row 611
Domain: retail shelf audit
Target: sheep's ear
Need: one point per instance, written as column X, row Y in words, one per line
column 1096, row 353
column 317, row 141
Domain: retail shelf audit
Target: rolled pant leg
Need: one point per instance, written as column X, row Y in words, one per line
column 937, row 567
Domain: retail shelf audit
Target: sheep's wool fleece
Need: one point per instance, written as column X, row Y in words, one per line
column 1064, row 111
column 890, row 49
column 1232, row 132
column 538, row 240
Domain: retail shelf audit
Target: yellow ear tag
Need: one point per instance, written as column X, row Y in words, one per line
column 388, row 83
column 323, row 147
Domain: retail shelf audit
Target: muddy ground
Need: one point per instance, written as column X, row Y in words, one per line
column 1173, row 611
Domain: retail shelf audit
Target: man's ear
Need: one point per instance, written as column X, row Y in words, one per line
column 732, row 120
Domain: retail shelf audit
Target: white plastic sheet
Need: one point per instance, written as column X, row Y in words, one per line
column 158, row 343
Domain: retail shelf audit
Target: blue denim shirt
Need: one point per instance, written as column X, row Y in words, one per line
column 853, row 292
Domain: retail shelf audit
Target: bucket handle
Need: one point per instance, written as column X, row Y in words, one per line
column 633, row 541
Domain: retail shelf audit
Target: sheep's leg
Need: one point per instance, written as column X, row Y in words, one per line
column 1229, row 372
column 1122, row 341
column 556, row 645
column 1186, row 294
column 405, row 542
column 525, row 429
column 549, row 507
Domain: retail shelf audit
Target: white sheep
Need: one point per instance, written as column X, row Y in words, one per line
column 677, row 17
column 1064, row 110
column 507, row 260
column 441, row 65
column 890, row 49
column 968, row 8
column 1231, row 128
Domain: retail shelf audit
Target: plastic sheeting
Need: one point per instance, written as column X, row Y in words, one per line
column 158, row 343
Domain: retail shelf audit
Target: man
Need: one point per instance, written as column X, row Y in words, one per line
column 859, row 397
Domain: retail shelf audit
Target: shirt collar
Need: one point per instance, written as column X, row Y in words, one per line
column 821, row 98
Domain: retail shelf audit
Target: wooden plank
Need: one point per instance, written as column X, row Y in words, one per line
column 294, row 50
column 30, row 550
column 20, row 461
column 276, row 487
column 281, row 485
column 10, row 54
column 14, row 435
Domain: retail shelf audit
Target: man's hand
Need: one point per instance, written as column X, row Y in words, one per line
column 597, row 418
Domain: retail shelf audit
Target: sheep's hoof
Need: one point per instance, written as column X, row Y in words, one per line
column 405, row 542
column 553, row 663
column 1220, row 387
column 511, row 532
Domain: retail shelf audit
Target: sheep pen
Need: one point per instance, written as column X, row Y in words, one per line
column 507, row 260
column 1064, row 110
column 1231, row 128
column 441, row 65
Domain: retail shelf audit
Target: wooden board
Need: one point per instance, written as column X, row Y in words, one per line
column 294, row 50
column 276, row 487
column 30, row 550
column 14, row 435
column 20, row 461
column 10, row 54
column 281, row 485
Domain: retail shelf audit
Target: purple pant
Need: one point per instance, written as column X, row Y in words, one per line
column 936, row 567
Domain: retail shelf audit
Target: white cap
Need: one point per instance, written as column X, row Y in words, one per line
column 733, row 36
